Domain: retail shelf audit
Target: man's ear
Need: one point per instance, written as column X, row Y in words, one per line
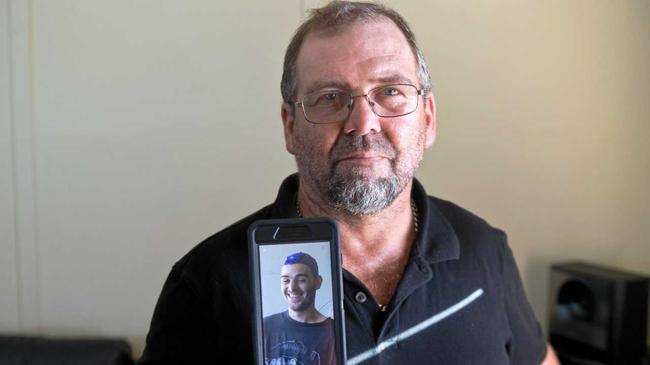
column 319, row 281
column 430, row 120
column 288, row 113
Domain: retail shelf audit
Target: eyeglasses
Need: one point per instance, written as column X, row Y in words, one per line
column 335, row 106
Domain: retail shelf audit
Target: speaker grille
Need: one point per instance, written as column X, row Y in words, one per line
column 598, row 311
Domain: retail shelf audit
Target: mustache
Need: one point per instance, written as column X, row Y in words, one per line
column 349, row 144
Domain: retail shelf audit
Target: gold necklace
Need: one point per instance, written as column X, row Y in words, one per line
column 414, row 210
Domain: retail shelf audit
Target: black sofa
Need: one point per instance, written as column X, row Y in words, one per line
column 27, row 350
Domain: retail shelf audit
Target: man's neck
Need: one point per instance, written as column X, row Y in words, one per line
column 392, row 226
column 310, row 315
column 375, row 248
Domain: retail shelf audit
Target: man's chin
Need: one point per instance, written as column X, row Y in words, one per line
column 380, row 168
column 365, row 175
column 299, row 307
column 358, row 193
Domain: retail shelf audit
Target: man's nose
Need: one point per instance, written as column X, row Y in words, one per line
column 362, row 120
column 293, row 285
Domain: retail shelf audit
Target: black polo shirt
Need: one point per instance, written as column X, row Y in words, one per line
column 460, row 299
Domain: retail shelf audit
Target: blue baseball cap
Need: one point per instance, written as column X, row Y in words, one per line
column 302, row 258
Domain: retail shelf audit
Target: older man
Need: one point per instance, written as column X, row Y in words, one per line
column 425, row 281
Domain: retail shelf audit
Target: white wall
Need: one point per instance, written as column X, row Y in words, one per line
column 121, row 146
column 144, row 127
column 8, row 241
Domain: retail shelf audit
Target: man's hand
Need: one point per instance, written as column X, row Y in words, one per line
column 550, row 359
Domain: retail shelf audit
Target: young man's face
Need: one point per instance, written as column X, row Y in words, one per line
column 299, row 286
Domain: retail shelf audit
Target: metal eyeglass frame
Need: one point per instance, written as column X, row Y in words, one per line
column 420, row 92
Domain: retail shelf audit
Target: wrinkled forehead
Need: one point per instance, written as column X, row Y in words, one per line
column 355, row 53
column 292, row 270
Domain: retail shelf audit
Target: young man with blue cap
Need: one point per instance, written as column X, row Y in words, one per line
column 301, row 334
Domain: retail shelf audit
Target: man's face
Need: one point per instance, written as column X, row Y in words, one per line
column 373, row 158
column 299, row 286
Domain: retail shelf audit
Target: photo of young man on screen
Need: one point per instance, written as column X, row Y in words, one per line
column 300, row 334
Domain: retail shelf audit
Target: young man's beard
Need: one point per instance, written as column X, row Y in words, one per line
column 305, row 304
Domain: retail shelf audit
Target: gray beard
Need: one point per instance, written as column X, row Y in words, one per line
column 358, row 196
column 352, row 192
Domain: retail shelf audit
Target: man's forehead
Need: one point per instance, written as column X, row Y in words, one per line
column 373, row 51
column 295, row 269
column 358, row 41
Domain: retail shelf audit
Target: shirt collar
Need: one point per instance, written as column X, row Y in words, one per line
column 436, row 240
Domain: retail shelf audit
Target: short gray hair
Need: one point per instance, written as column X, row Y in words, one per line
column 334, row 17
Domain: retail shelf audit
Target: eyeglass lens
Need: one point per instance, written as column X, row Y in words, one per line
column 332, row 106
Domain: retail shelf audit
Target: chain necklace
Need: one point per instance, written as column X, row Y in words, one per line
column 414, row 210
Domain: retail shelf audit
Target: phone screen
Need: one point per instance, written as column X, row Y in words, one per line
column 298, row 312
column 273, row 284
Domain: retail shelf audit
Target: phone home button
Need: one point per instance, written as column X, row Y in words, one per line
column 360, row 297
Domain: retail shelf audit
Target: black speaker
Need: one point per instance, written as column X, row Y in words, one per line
column 598, row 314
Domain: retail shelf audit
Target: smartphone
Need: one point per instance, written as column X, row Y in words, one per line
column 297, row 287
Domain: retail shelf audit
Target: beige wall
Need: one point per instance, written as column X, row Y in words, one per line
column 544, row 116
column 121, row 148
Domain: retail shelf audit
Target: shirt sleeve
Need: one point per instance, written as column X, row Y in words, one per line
column 527, row 343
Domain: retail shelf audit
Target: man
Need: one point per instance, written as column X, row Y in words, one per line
column 301, row 334
column 425, row 281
